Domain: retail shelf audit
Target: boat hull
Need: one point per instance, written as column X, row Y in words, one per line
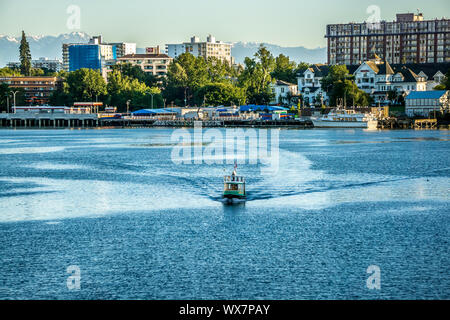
column 339, row 124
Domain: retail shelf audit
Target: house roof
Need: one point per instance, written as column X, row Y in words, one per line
column 145, row 56
column 430, row 69
column 385, row 68
column 284, row 83
column 319, row 70
column 434, row 94
column 408, row 75
column 372, row 65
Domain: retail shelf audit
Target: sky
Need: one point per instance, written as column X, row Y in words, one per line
column 149, row 22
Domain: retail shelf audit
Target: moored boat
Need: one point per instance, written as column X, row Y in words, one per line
column 344, row 119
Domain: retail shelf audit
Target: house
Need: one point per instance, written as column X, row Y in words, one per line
column 421, row 103
column 309, row 84
column 378, row 78
column 283, row 92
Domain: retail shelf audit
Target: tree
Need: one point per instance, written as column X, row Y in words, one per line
column 285, row 69
column 340, row 87
column 5, row 93
column 256, row 78
column 217, row 94
column 86, row 85
column 122, row 88
column 8, row 72
column 25, row 56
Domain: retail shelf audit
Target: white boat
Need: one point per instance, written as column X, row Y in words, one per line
column 345, row 119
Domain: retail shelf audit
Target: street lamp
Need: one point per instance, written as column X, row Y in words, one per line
column 152, row 97
column 128, row 107
column 14, row 93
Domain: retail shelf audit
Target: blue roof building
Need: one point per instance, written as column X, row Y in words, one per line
column 421, row 103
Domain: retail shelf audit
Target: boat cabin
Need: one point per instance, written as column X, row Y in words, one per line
column 234, row 186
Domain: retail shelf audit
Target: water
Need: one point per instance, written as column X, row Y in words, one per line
column 141, row 227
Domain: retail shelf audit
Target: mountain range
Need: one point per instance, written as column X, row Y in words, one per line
column 51, row 47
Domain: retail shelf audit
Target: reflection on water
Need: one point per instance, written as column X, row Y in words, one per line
column 340, row 201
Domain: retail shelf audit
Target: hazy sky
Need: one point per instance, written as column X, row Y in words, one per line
column 149, row 22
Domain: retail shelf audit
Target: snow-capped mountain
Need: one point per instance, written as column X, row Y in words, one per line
column 51, row 47
column 298, row 54
column 40, row 46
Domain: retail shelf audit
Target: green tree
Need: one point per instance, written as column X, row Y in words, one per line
column 285, row 69
column 5, row 93
column 217, row 94
column 86, row 85
column 8, row 72
column 122, row 88
column 256, row 78
column 25, row 56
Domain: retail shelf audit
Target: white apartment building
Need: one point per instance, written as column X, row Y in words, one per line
column 209, row 48
column 124, row 48
column 55, row 65
column 157, row 64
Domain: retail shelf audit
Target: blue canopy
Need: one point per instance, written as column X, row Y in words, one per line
column 144, row 112
column 252, row 107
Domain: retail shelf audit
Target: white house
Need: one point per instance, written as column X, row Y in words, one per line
column 309, row 84
column 378, row 78
column 421, row 103
column 282, row 89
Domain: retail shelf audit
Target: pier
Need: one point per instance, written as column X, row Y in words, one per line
column 48, row 120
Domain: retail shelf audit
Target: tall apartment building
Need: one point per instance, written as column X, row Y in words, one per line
column 95, row 54
column 206, row 49
column 409, row 39
column 55, row 65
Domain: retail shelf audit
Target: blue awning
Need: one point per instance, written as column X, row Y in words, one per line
column 252, row 107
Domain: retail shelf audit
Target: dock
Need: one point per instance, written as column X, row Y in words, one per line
column 48, row 120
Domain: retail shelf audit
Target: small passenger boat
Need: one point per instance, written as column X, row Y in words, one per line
column 234, row 186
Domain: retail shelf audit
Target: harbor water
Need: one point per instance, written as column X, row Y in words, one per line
column 113, row 203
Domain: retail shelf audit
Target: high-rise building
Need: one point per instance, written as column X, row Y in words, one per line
column 409, row 39
column 86, row 54
column 206, row 49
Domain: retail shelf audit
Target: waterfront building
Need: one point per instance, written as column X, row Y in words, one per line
column 409, row 39
column 209, row 48
column 310, row 86
column 54, row 65
column 156, row 64
column 37, row 90
column 378, row 78
column 422, row 103
column 283, row 91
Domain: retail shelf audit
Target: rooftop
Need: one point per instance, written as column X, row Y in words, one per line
column 435, row 94
column 145, row 56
